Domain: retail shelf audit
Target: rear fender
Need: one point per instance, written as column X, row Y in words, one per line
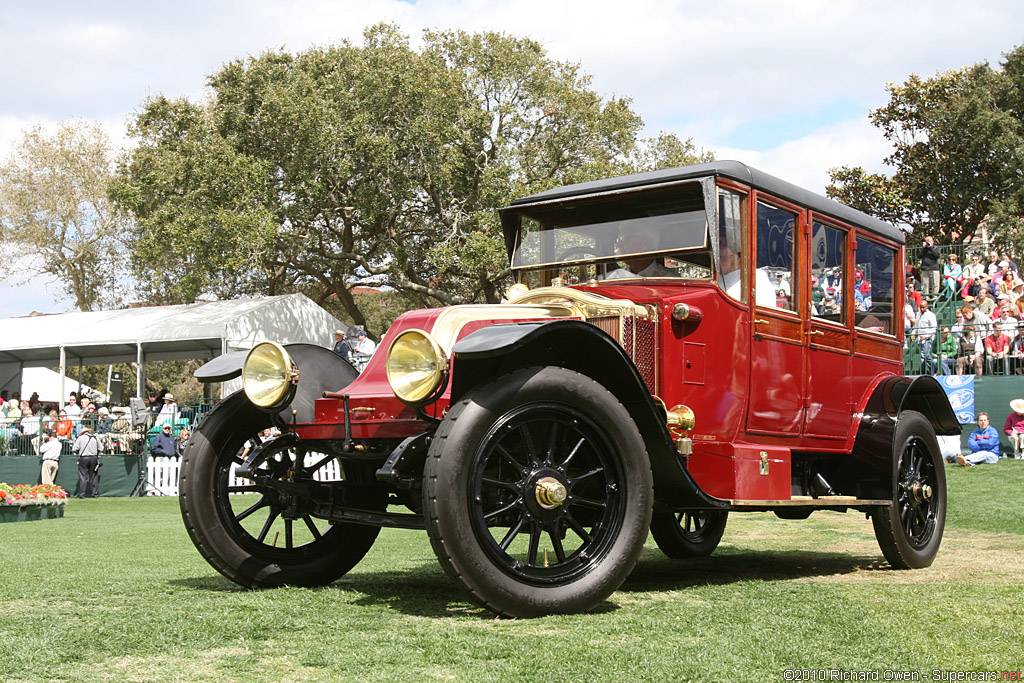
column 868, row 474
column 588, row 350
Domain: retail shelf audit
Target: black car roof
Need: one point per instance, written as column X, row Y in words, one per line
column 734, row 170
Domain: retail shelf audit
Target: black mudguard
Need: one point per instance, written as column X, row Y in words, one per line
column 869, row 472
column 588, row 350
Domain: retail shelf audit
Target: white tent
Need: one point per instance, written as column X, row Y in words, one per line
column 202, row 330
column 49, row 385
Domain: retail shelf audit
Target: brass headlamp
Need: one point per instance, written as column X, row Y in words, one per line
column 269, row 376
column 417, row 367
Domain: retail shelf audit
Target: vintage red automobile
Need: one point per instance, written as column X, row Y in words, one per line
column 678, row 345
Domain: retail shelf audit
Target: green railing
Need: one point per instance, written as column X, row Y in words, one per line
column 962, row 251
column 120, row 437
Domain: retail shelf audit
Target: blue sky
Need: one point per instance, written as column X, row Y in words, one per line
column 784, row 86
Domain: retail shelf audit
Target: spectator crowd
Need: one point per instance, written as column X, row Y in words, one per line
column 82, row 428
column 986, row 335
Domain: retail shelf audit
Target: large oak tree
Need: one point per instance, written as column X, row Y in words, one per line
column 376, row 163
column 958, row 147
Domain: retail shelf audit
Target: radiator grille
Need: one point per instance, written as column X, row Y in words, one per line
column 643, row 350
column 637, row 337
column 609, row 324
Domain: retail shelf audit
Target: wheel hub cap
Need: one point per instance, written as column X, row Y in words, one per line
column 921, row 492
column 550, row 493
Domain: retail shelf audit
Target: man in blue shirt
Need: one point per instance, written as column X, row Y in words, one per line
column 163, row 444
column 984, row 444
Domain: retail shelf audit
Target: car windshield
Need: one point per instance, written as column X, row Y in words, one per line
column 657, row 234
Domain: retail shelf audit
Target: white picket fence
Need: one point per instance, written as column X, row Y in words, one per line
column 162, row 474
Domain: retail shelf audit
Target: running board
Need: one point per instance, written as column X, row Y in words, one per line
column 807, row 501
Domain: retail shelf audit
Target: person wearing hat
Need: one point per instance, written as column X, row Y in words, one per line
column 163, row 444
column 972, row 274
column 340, row 347
column 169, row 413
column 1016, row 290
column 87, row 446
column 783, row 289
column 1014, row 427
column 121, row 436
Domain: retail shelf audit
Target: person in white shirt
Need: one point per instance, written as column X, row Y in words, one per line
column 50, row 452
column 634, row 247
column 169, row 412
column 784, row 289
column 732, row 276
column 73, row 411
column 925, row 333
column 1009, row 324
column 29, row 422
column 364, row 344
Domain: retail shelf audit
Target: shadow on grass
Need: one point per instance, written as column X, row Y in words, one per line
column 426, row 591
column 656, row 572
column 420, row 591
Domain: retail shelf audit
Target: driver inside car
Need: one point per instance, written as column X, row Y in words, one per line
column 637, row 241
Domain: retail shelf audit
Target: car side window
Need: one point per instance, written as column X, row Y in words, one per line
column 775, row 268
column 828, row 250
column 873, row 286
column 730, row 244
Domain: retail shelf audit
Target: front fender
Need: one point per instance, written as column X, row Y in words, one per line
column 588, row 350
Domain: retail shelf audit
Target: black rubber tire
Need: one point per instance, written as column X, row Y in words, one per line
column 221, row 538
column 687, row 534
column 608, row 489
column 910, row 530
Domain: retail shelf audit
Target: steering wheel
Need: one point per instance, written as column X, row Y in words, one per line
column 573, row 253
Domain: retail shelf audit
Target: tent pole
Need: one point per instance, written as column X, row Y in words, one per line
column 62, row 401
column 140, row 382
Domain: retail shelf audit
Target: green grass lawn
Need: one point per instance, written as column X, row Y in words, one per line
column 115, row 591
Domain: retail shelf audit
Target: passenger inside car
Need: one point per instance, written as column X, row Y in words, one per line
column 639, row 241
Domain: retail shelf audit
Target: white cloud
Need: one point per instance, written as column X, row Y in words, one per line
column 807, row 160
column 696, row 68
column 785, row 86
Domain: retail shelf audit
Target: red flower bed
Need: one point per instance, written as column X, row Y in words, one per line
column 39, row 494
